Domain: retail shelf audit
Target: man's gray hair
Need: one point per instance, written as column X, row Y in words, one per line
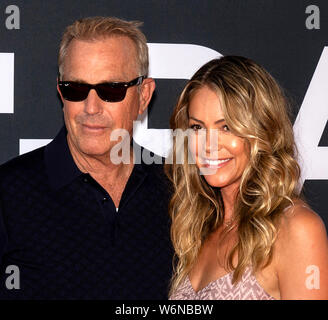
column 95, row 28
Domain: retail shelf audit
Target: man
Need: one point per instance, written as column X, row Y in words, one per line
column 74, row 223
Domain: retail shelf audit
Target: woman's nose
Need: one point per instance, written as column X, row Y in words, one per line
column 212, row 141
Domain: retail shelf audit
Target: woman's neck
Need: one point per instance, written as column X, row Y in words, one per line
column 229, row 195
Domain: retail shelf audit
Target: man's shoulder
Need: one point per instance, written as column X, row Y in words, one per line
column 154, row 165
column 33, row 160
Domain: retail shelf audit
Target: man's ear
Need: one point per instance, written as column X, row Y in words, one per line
column 146, row 92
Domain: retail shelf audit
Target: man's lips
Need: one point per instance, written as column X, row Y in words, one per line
column 92, row 126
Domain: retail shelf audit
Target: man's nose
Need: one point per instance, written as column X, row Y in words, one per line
column 93, row 104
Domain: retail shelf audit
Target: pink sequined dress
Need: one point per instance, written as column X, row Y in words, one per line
column 222, row 289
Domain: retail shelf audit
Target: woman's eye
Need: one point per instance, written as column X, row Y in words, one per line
column 195, row 127
column 225, row 128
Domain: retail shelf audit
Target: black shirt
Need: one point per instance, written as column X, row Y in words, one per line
column 62, row 230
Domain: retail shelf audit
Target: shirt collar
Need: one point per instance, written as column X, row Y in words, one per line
column 60, row 166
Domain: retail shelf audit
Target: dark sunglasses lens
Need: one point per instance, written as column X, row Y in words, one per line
column 74, row 91
column 110, row 93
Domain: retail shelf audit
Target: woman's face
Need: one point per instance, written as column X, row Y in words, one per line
column 220, row 155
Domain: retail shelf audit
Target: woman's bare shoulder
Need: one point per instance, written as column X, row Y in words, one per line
column 300, row 220
column 301, row 242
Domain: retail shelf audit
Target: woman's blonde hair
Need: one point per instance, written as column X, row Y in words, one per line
column 255, row 109
column 95, row 28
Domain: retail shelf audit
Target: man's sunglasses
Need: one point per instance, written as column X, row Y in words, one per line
column 107, row 91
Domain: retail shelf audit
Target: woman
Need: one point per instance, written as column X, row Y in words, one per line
column 239, row 227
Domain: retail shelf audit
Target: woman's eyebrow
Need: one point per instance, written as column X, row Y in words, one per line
column 200, row 121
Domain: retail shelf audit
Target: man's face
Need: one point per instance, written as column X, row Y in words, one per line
column 90, row 122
